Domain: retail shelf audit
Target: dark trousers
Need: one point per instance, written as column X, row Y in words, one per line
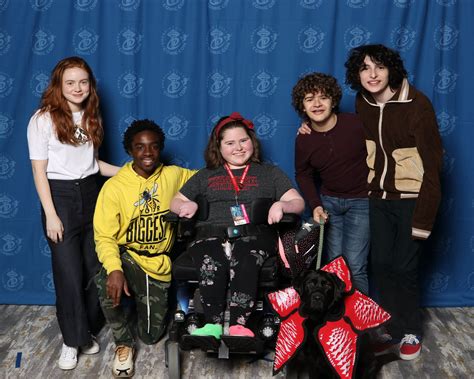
column 239, row 273
column 395, row 258
column 75, row 261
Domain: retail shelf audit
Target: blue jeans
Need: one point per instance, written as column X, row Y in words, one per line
column 348, row 234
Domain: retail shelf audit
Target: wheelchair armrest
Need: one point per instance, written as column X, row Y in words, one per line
column 185, row 226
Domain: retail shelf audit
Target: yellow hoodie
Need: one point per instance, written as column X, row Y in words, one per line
column 129, row 213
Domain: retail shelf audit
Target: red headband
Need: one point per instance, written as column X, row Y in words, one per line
column 235, row 116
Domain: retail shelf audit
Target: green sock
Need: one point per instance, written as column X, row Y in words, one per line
column 213, row 330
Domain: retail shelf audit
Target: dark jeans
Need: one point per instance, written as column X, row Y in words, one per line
column 75, row 261
column 394, row 259
column 348, row 234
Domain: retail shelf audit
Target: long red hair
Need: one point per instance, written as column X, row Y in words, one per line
column 56, row 104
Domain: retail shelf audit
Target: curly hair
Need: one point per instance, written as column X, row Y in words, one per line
column 212, row 154
column 55, row 103
column 314, row 83
column 139, row 126
column 379, row 54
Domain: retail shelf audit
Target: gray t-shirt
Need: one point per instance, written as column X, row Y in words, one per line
column 262, row 181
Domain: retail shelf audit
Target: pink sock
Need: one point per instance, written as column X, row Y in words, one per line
column 241, row 331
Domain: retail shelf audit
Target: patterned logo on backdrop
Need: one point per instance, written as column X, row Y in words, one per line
column 173, row 41
column 438, row 282
column 211, row 122
column 6, row 125
column 129, row 41
column 175, row 127
column 347, row 90
column 125, row 122
column 41, row 5
column 357, row 3
column 44, row 247
column 12, row 280
column 8, row 206
column 448, row 164
column 85, row 41
column 446, row 3
column 263, row 4
column 5, row 40
column 311, row 39
column 217, row 4
column 174, row 84
column 218, row 84
column 43, row 42
column 10, row 243
column 47, row 281
column 6, row 85
column 265, row 126
column 311, row 4
column 130, row 84
column 7, row 167
column 446, row 37
column 85, row 5
column 38, row 83
column 219, row 40
column 446, row 123
column 263, row 83
column 129, row 5
column 402, row 3
column 356, row 36
column 444, row 80
column 179, row 161
column 3, row 5
column 403, row 38
column 173, row 5
column 263, row 40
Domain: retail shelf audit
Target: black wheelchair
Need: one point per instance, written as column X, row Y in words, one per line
column 189, row 314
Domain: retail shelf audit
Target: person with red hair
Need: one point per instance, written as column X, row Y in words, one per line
column 64, row 136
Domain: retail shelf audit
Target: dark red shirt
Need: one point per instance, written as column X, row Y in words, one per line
column 337, row 157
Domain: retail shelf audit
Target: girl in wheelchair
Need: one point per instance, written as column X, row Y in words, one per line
column 233, row 178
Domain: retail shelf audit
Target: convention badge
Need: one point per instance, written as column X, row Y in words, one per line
column 239, row 214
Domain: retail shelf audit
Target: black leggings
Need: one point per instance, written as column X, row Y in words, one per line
column 239, row 272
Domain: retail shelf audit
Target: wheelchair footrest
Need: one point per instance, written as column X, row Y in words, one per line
column 205, row 343
column 243, row 344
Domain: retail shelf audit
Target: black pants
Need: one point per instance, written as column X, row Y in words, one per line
column 239, row 273
column 75, row 261
column 395, row 259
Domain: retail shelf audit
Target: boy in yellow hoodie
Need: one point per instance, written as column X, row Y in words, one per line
column 132, row 241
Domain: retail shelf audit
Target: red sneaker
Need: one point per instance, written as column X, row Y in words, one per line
column 385, row 344
column 410, row 347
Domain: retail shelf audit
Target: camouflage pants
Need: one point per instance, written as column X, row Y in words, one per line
column 150, row 328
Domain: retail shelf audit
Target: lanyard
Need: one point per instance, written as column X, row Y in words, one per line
column 237, row 186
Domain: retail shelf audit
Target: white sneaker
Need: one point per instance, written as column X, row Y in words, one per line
column 123, row 362
column 68, row 358
column 92, row 348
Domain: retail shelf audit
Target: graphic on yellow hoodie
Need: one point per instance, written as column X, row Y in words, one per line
column 129, row 213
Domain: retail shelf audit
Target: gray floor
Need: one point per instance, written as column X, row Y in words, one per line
column 448, row 351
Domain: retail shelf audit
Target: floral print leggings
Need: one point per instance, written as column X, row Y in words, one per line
column 234, row 265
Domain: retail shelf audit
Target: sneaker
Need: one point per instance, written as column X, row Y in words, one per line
column 68, row 358
column 123, row 362
column 240, row 331
column 410, row 347
column 92, row 348
column 385, row 344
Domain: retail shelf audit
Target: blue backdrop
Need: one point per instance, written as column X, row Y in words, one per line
column 184, row 63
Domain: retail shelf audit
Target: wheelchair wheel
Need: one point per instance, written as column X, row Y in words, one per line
column 173, row 360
